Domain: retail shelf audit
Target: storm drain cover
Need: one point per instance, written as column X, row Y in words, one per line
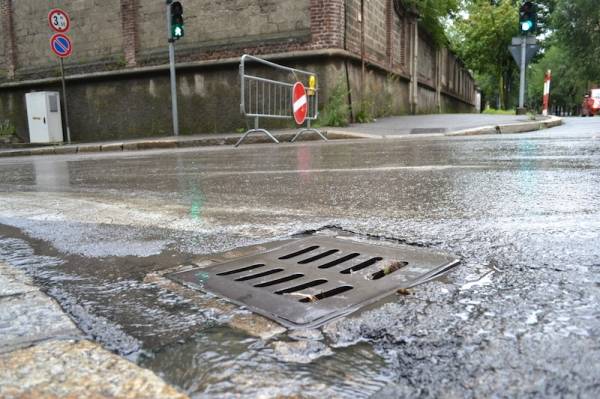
column 310, row 281
column 426, row 130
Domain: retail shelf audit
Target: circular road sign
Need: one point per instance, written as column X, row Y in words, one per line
column 59, row 20
column 61, row 45
column 299, row 103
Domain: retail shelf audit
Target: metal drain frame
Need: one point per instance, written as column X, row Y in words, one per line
column 311, row 281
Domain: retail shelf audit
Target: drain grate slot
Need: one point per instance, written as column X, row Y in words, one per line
column 253, row 276
column 243, row 269
column 306, row 282
column 362, row 265
column 326, row 294
column 301, row 287
column 338, row 261
column 388, row 269
column 298, row 253
column 319, row 256
column 280, row 280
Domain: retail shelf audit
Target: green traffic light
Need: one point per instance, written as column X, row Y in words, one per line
column 176, row 10
column 178, row 31
column 526, row 26
column 527, row 17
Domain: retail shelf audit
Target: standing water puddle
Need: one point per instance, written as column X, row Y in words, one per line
column 189, row 347
column 221, row 362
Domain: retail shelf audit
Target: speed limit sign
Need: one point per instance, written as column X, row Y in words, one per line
column 59, row 20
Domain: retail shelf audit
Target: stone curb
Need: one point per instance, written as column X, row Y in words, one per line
column 509, row 128
column 44, row 355
column 151, row 144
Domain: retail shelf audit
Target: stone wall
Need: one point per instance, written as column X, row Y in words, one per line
column 118, row 77
column 224, row 24
column 96, row 33
column 9, row 53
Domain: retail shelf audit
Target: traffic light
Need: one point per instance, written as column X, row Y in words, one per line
column 177, row 31
column 528, row 17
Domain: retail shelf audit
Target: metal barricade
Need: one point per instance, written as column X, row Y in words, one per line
column 263, row 97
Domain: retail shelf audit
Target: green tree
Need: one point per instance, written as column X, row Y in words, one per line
column 567, row 87
column 481, row 38
column 432, row 14
column 572, row 52
column 577, row 30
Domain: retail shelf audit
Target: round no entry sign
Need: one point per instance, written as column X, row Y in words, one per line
column 61, row 45
column 299, row 103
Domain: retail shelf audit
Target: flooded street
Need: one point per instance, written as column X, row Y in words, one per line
column 519, row 317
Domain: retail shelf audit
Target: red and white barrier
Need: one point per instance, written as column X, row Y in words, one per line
column 547, row 80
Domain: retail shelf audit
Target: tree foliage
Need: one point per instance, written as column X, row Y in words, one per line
column 567, row 86
column 573, row 53
column 577, row 30
column 432, row 14
column 481, row 38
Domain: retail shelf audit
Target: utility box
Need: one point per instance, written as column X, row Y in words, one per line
column 43, row 114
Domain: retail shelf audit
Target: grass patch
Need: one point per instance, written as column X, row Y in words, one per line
column 336, row 112
column 7, row 129
column 492, row 111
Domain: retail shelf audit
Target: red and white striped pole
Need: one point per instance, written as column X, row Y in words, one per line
column 547, row 80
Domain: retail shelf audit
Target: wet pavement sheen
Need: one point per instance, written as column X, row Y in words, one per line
column 519, row 317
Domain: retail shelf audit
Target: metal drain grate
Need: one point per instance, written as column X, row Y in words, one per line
column 307, row 282
column 428, row 130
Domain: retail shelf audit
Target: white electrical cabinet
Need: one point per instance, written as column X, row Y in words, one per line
column 43, row 113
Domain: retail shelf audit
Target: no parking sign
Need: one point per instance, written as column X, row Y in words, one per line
column 61, row 45
column 59, row 22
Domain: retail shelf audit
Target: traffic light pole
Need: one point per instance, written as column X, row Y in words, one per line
column 64, row 89
column 521, row 109
column 172, row 68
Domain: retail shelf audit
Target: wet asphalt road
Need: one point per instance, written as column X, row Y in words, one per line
column 519, row 318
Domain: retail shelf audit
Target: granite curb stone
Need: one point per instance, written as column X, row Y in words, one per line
column 334, row 134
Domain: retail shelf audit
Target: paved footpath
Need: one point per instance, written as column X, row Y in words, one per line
column 44, row 355
column 391, row 127
column 447, row 125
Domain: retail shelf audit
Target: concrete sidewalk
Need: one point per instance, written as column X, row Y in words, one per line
column 392, row 127
column 447, row 125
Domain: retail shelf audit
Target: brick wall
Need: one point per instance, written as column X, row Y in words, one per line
column 352, row 26
column 426, row 60
column 392, row 49
column 8, row 53
column 112, row 34
column 327, row 23
column 224, row 24
column 130, row 31
column 95, row 31
column 120, row 34
column 400, row 44
column 375, row 30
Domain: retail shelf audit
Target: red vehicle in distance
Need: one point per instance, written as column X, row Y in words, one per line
column 591, row 103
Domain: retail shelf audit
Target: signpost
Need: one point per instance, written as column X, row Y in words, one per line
column 175, row 32
column 523, row 49
column 299, row 103
column 61, row 45
column 531, row 49
column 547, row 80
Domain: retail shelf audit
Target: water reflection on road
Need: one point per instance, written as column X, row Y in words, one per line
column 519, row 317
